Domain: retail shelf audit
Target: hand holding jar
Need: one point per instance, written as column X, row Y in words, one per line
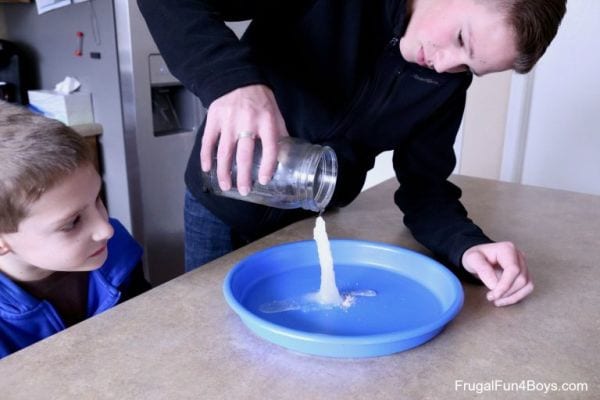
column 234, row 123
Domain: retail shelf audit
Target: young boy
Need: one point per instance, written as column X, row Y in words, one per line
column 62, row 259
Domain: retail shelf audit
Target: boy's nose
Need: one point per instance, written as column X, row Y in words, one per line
column 103, row 230
column 442, row 65
column 448, row 61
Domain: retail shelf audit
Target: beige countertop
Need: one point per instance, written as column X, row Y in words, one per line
column 181, row 340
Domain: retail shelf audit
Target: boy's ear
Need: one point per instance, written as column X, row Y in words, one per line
column 4, row 247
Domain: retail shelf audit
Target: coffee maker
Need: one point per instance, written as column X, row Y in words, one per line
column 12, row 87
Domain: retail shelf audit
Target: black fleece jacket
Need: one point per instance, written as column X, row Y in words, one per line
column 339, row 79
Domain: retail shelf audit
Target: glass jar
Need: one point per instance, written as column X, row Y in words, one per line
column 305, row 177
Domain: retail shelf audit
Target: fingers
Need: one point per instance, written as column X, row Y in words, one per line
column 244, row 156
column 521, row 287
column 480, row 267
column 209, row 141
column 516, row 296
column 273, row 129
column 509, row 262
column 225, row 153
column 248, row 109
column 268, row 161
column 503, row 269
column 515, row 276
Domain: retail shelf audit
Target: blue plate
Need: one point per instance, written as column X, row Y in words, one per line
column 399, row 298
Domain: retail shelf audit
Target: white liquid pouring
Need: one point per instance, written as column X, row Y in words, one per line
column 328, row 295
column 328, row 292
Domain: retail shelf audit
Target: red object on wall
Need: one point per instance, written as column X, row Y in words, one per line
column 79, row 50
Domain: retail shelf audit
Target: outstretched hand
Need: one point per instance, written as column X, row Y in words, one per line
column 234, row 121
column 502, row 268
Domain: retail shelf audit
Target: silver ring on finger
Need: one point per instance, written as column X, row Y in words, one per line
column 245, row 134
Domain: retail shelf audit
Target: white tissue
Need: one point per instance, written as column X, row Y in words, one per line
column 68, row 85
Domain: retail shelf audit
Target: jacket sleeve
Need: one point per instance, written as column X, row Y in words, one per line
column 430, row 203
column 199, row 49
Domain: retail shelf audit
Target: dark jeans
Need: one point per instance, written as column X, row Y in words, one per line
column 206, row 236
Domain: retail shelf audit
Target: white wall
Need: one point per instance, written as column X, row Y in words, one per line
column 382, row 170
column 484, row 124
column 556, row 135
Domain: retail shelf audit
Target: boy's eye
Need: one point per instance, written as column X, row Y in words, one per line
column 71, row 225
column 460, row 39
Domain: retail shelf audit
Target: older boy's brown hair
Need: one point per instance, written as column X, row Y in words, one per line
column 35, row 153
column 535, row 23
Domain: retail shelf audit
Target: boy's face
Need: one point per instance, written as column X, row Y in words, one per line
column 67, row 229
column 459, row 35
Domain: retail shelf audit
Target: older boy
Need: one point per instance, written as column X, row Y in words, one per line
column 362, row 76
column 62, row 259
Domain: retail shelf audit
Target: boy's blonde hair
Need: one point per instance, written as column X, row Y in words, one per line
column 35, row 153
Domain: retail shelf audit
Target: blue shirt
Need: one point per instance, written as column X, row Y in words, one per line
column 25, row 319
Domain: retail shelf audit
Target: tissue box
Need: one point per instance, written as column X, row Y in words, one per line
column 71, row 109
